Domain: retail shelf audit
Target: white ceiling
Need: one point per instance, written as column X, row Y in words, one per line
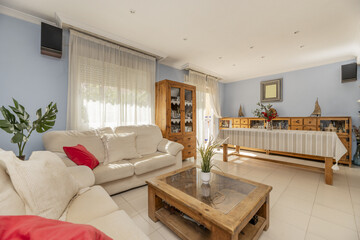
column 329, row 30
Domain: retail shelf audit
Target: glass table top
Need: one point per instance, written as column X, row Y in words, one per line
column 222, row 193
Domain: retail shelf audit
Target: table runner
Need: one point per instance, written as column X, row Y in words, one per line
column 323, row 144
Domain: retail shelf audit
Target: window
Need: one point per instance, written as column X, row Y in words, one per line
column 108, row 85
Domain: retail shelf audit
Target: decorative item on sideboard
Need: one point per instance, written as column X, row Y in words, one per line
column 267, row 112
column 240, row 114
column 317, row 109
column 22, row 128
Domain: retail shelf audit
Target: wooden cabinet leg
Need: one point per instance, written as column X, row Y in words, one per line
column 328, row 171
column 225, row 152
column 154, row 203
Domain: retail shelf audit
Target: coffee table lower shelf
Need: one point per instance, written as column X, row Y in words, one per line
column 188, row 230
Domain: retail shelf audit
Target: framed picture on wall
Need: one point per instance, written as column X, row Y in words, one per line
column 271, row 90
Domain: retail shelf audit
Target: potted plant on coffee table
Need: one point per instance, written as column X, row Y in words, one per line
column 207, row 151
column 21, row 127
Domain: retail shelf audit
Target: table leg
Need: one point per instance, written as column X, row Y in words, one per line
column 264, row 212
column 328, row 171
column 225, row 152
column 218, row 233
column 237, row 149
column 154, row 203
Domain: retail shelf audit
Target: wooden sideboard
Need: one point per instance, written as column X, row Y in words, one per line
column 175, row 114
column 340, row 125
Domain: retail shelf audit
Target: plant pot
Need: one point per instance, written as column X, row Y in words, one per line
column 205, row 177
column 21, row 157
column 205, row 190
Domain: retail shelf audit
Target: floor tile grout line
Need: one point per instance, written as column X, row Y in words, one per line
column 312, row 208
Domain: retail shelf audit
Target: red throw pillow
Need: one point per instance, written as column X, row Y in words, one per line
column 34, row 228
column 81, row 156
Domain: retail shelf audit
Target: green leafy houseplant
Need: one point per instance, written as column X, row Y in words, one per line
column 21, row 127
column 207, row 151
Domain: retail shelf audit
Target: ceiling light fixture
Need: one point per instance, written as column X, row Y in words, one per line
column 302, row 46
column 262, row 56
column 234, row 65
column 296, row 32
column 251, row 47
column 185, row 39
column 132, row 11
column 220, row 57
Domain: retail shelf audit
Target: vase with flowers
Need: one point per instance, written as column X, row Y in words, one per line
column 267, row 112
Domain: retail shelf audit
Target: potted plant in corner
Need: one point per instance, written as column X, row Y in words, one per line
column 207, row 151
column 21, row 127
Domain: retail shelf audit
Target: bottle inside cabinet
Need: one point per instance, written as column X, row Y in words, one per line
column 188, row 111
column 175, row 110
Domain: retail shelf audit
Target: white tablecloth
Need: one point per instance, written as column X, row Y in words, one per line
column 323, row 144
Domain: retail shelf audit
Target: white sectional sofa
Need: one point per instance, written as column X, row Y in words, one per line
column 94, row 207
column 159, row 155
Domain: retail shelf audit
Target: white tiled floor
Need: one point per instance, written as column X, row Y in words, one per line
column 302, row 205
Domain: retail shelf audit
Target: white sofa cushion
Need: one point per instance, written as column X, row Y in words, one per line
column 83, row 175
column 44, row 184
column 54, row 141
column 119, row 146
column 148, row 137
column 152, row 162
column 10, row 201
column 119, row 226
column 113, row 171
column 91, row 204
column 170, row 147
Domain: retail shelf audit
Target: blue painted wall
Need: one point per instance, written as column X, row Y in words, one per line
column 33, row 79
column 166, row 72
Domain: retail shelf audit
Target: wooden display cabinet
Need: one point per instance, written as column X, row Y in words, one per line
column 340, row 125
column 175, row 114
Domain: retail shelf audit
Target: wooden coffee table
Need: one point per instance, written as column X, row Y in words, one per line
column 227, row 208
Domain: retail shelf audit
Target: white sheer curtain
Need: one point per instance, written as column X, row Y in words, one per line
column 207, row 94
column 108, row 85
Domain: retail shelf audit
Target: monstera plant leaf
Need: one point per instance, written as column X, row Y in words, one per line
column 46, row 121
column 20, row 126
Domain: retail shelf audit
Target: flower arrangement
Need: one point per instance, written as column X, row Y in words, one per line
column 265, row 111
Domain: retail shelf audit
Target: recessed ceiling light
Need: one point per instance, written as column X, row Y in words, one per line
column 296, row 32
column 185, row 39
column 302, row 46
column 132, row 11
column 251, row 47
column 220, row 57
column 262, row 56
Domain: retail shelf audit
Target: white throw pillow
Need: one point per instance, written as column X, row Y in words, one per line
column 43, row 183
column 119, row 146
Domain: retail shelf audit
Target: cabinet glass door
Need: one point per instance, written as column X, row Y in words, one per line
column 280, row 124
column 175, row 110
column 257, row 124
column 334, row 125
column 189, row 111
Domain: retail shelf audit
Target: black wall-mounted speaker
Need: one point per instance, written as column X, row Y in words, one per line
column 349, row 72
column 51, row 40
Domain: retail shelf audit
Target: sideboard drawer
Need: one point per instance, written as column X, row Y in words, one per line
column 310, row 121
column 245, row 126
column 296, row 121
column 236, row 121
column 296, row 128
column 310, row 128
column 236, row 126
column 244, row 121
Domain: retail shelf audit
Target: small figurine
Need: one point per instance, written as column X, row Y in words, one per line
column 240, row 112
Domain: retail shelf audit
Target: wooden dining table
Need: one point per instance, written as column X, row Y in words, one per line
column 315, row 143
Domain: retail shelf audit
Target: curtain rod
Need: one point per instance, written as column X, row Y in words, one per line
column 112, row 42
column 204, row 74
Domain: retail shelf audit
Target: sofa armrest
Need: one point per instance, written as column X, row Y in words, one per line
column 83, row 175
column 167, row 146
